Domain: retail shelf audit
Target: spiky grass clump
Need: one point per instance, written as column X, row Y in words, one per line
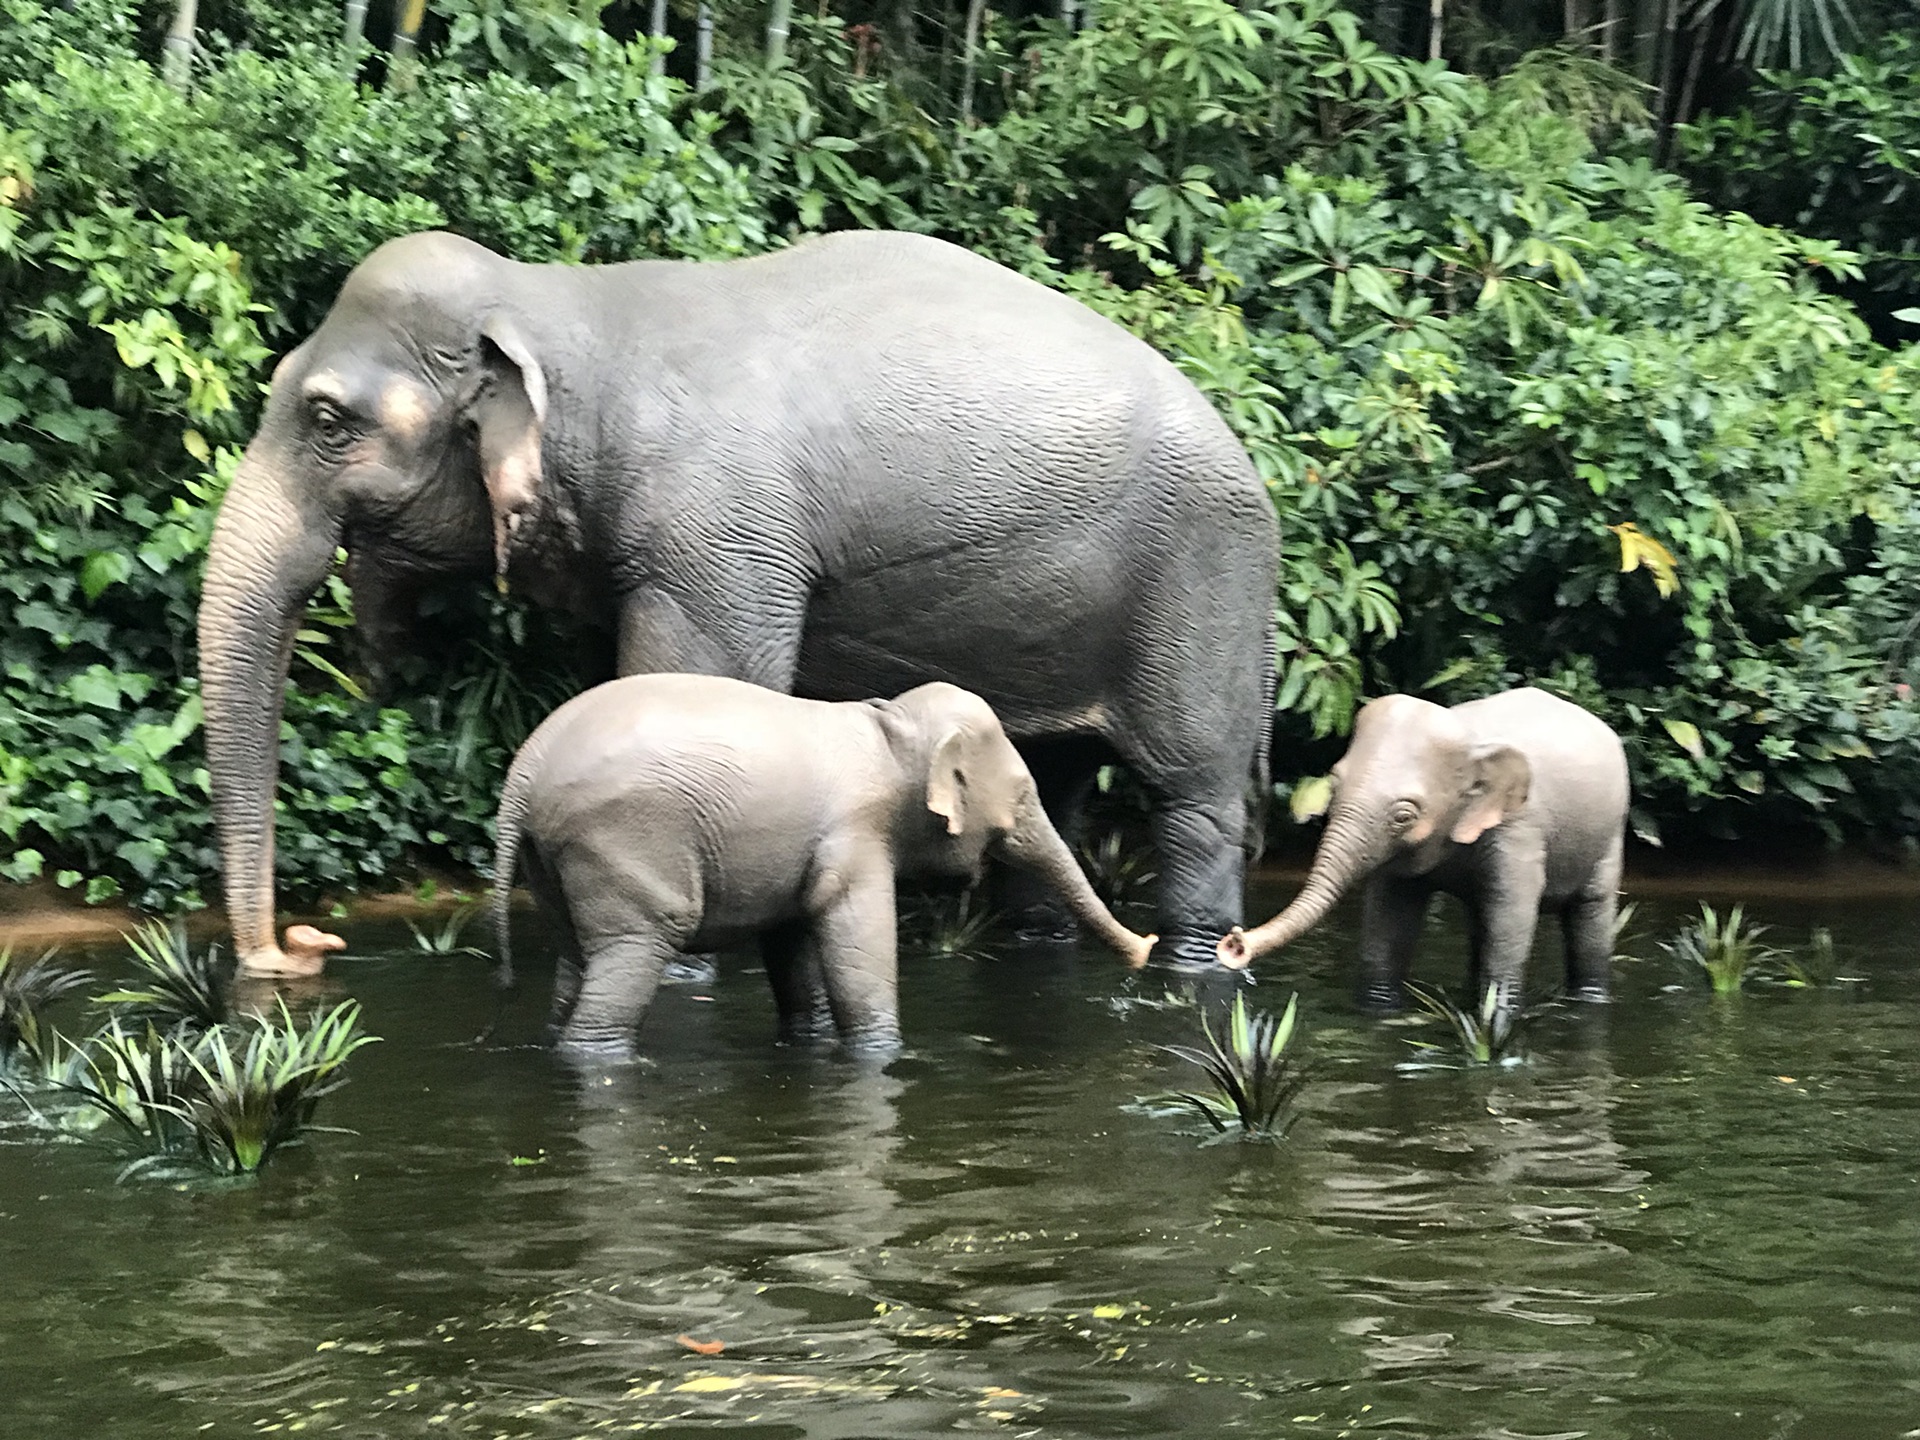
column 1488, row 1034
column 1120, row 873
column 1726, row 951
column 1254, row 1080
column 223, row 1103
column 954, row 927
column 31, row 1050
column 174, row 986
column 447, row 939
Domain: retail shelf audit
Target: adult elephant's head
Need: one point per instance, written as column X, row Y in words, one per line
column 391, row 428
column 1413, row 784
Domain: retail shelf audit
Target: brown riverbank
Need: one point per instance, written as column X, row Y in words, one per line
column 41, row 914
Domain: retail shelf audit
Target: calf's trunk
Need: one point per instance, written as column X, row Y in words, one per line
column 1343, row 856
column 1034, row 844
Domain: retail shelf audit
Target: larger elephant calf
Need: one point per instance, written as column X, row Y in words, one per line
column 840, row 470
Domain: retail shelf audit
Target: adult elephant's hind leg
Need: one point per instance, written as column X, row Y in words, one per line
column 620, row 976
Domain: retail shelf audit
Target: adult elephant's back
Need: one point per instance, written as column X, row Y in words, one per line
column 999, row 486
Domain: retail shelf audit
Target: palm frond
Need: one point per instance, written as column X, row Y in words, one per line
column 174, row 986
column 1255, row 1080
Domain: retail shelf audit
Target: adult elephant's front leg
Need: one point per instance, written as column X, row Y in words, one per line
column 729, row 630
column 1202, row 868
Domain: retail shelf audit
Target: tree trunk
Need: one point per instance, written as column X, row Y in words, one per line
column 1610, row 32
column 355, row 34
column 1574, row 23
column 1701, row 35
column 1390, row 25
column 703, row 46
column 657, row 31
column 176, row 63
column 1436, row 27
column 779, row 22
column 406, row 37
column 1663, row 84
column 976, row 17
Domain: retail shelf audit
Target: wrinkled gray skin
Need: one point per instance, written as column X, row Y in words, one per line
column 664, row 814
column 1511, row 803
column 839, row 470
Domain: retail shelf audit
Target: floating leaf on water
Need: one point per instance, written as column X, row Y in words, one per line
column 1109, row 1312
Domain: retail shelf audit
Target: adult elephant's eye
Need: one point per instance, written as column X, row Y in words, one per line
column 333, row 431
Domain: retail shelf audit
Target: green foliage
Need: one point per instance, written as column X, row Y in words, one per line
column 953, row 927
column 175, row 988
column 1527, row 411
column 1728, row 952
column 211, row 1100
column 1254, row 1079
column 1834, row 155
column 446, row 940
column 1488, row 1034
column 30, row 1048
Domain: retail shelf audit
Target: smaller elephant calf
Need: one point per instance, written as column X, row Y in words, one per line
column 665, row 814
column 1511, row 803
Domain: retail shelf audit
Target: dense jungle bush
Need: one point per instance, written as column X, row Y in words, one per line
column 1529, row 411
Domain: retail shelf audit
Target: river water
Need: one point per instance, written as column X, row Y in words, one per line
column 1680, row 1217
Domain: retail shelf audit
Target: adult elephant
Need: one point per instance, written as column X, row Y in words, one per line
column 842, row 470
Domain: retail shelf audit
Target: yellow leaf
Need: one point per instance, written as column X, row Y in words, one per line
column 9, row 190
column 1311, row 798
column 1109, row 1312
column 708, row 1384
column 197, row 446
column 1637, row 549
column 1686, row 735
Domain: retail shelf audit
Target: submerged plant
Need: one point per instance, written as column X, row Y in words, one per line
column 30, row 1048
column 252, row 1101
column 446, row 940
column 1255, row 1081
column 1120, row 873
column 955, row 927
column 1488, row 1034
column 224, row 1103
column 1810, row 968
column 1726, row 951
column 174, row 986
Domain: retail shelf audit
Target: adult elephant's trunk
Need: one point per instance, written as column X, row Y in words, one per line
column 269, row 553
column 1036, row 845
column 1344, row 855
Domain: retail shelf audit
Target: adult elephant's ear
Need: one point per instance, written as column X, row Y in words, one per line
column 508, row 411
column 1498, row 789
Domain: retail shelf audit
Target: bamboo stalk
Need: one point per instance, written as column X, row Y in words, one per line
column 406, row 40
column 1436, row 27
column 702, row 46
column 355, row 34
column 976, row 15
column 779, row 23
column 176, row 60
column 657, row 31
column 1610, row 32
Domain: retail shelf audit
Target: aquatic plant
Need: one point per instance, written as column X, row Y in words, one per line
column 253, row 1101
column 1254, row 1079
column 1487, row 1034
column 1121, row 873
column 1622, row 918
column 1726, row 951
column 954, row 927
column 446, row 940
column 30, row 1048
column 174, row 986
column 223, row 1103
column 1812, row 967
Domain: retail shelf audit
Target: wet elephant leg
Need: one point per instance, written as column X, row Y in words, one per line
column 1393, row 912
column 1510, row 914
column 856, row 937
column 799, row 990
column 1586, row 927
column 621, row 975
column 1063, row 770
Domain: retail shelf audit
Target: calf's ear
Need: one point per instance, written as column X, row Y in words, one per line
column 1496, row 790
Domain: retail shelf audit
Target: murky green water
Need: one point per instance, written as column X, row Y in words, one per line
column 1681, row 1218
